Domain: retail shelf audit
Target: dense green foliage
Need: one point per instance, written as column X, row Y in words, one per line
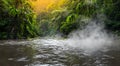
column 113, row 15
column 71, row 17
column 68, row 18
column 17, row 19
column 78, row 10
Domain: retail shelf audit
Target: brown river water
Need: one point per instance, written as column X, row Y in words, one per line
column 53, row 52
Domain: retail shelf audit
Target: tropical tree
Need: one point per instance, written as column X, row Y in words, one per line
column 17, row 19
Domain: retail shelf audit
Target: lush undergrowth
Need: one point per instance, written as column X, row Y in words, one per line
column 70, row 16
column 19, row 19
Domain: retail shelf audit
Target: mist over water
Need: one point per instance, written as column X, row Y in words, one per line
column 90, row 46
column 92, row 38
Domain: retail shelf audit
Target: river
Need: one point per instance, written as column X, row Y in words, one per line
column 51, row 52
column 91, row 46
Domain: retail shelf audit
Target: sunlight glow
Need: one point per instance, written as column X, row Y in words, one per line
column 41, row 5
column 47, row 5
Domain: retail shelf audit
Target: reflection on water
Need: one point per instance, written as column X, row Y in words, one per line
column 26, row 54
